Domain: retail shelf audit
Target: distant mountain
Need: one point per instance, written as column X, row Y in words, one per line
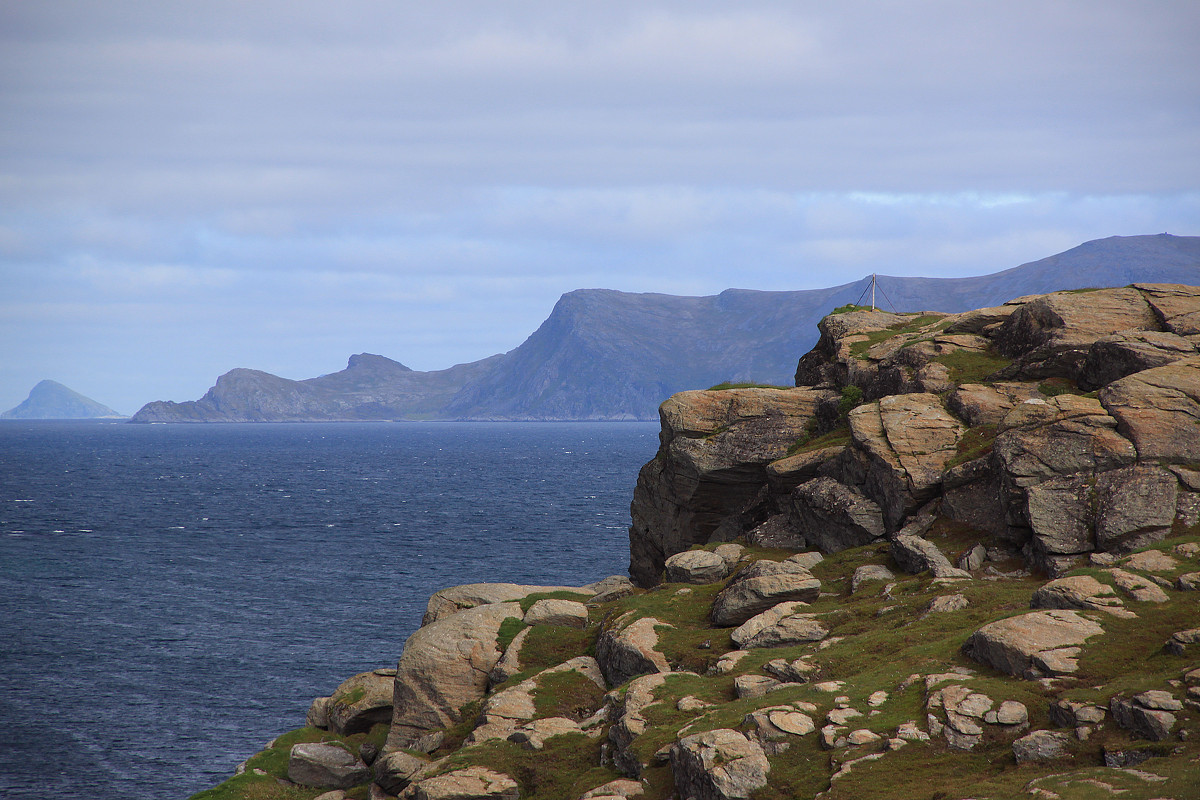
column 604, row 354
column 52, row 400
column 371, row 387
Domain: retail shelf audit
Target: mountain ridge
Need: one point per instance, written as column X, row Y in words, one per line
column 604, row 354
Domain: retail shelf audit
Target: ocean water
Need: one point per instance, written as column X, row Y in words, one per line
column 173, row 596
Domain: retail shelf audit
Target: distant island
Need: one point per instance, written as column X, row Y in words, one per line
column 52, row 400
column 609, row 355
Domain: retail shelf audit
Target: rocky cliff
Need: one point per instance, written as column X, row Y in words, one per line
column 605, row 355
column 961, row 561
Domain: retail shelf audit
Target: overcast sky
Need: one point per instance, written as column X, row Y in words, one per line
column 191, row 187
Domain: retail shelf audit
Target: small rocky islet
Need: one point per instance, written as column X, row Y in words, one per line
column 961, row 559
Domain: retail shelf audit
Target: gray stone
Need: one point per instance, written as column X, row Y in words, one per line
column 915, row 554
column 1148, row 723
column 1041, row 746
column 869, row 572
column 1032, row 645
column 1137, row 587
column 763, row 585
column 1181, row 640
column 696, row 566
column 947, row 603
column 325, row 766
column 831, row 516
column 628, row 649
column 785, row 624
column 360, row 702
column 393, row 771
column 718, row 765
column 1136, row 506
column 453, row 599
column 1081, row 592
column 1012, row 713
column 752, row 686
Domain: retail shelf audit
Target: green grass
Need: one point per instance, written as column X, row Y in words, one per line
column 805, row 444
column 972, row 366
column 509, row 628
column 567, row 694
column 902, row 328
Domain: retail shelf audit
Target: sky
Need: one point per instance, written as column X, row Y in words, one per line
column 189, row 187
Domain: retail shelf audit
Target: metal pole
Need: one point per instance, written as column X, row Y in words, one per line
column 872, row 291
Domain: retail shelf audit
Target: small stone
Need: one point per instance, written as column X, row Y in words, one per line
column 863, row 736
column 1012, row 713
column 1187, row 549
column 751, row 686
column 1137, row 587
column 1157, row 699
column 696, row 566
column 728, row 662
column 840, row 716
column 793, row 722
column 1180, row 640
column 829, row 686
column 910, row 732
column 1102, row 559
column 877, row 699
column 1188, row 582
column 690, row 704
column 947, row 603
column 1040, row 746
column 975, row 705
column 869, row 572
column 1151, row 561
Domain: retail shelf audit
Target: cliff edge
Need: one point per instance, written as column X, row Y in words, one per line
column 961, row 560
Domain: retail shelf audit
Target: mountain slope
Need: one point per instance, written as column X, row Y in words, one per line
column 52, row 400
column 604, row 354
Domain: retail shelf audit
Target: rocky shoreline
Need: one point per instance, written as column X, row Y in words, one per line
column 960, row 559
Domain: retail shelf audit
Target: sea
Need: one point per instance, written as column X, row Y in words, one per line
column 173, row 596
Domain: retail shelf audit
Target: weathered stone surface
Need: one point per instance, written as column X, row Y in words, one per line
column 1150, row 561
column 785, row 624
column 325, row 766
column 614, row 587
column 509, row 663
column 696, row 566
column 361, row 701
column 1072, row 714
column 1082, row 592
column 763, row 585
column 318, row 713
column 788, row 473
column 457, row 598
column 731, row 552
column 718, row 765
column 713, row 454
column 907, row 440
column 567, row 613
column 1188, row 582
column 630, row 722
column 832, row 516
column 1050, row 335
column 1159, row 411
column 1149, row 723
column 1032, row 645
column 796, row 671
column 752, row 686
column 778, row 530
column 1113, row 357
column 1180, row 641
column 1012, row 713
column 627, row 649
column 393, row 771
column 444, row 666
column 915, row 554
column 506, row 711
column 869, row 572
column 1137, row 587
column 1041, row 746
column 620, row 789
column 472, row 783
column 988, row 404
column 1176, row 306
column 1136, row 506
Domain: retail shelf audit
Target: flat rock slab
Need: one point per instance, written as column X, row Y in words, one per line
column 325, row 766
column 557, row 612
column 1033, row 645
column 473, row 783
column 1081, row 592
column 785, row 624
column 763, row 585
column 1041, row 746
column 453, row 599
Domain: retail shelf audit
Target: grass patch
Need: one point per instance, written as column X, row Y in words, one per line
column 1053, row 387
column 906, row 326
column 548, row 646
column 833, row 438
column 972, row 366
column 509, row 628
column 974, row 443
column 566, row 767
column 567, row 694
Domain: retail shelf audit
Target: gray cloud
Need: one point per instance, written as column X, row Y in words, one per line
column 186, row 188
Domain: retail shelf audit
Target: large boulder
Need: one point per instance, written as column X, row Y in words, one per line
column 444, row 666
column 718, row 765
column 361, row 701
column 627, row 649
column 916, row 554
column 696, row 566
column 785, row 624
column 712, row 460
column 763, row 585
column 1113, row 357
column 907, row 441
column 325, row 766
column 1176, row 306
column 1034, row 645
column 1082, row 592
column 832, row 517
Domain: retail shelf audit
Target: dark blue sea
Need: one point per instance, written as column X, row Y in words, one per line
column 173, row 596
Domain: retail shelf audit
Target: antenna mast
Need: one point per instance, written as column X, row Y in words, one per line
column 872, row 291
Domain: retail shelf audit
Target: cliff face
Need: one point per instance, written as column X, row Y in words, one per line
column 967, row 565
column 989, row 419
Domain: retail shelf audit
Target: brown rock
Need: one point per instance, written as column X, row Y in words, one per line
column 361, row 701
column 1136, row 506
column 718, row 765
column 627, row 649
column 1159, row 411
column 988, row 404
column 832, row 516
column 1176, row 306
column 712, row 460
column 785, row 624
column 1137, row 587
column 1032, row 645
column 1082, row 592
column 1113, row 357
column 472, row 783
column 763, row 585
